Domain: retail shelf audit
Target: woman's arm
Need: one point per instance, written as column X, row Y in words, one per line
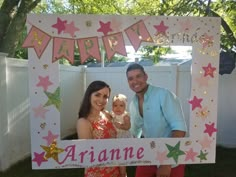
column 84, row 129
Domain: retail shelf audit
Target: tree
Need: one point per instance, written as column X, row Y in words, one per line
column 12, row 23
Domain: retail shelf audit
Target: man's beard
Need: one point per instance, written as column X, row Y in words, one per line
column 143, row 90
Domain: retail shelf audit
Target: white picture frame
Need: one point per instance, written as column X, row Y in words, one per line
column 44, row 34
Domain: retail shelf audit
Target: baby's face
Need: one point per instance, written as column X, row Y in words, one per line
column 118, row 107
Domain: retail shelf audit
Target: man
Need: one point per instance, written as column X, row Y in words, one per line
column 155, row 112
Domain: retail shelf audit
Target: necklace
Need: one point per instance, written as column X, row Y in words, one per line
column 94, row 118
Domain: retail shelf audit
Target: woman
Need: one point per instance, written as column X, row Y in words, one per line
column 95, row 123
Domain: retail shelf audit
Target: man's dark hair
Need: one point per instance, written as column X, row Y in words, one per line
column 134, row 66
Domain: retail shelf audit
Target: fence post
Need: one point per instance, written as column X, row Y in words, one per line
column 3, row 112
column 174, row 78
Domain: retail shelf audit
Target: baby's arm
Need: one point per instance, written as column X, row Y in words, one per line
column 126, row 125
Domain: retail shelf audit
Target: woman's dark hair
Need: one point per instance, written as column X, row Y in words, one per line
column 86, row 103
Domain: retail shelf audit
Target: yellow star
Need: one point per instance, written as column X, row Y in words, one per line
column 52, row 151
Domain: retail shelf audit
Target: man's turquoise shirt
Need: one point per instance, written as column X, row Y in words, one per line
column 162, row 113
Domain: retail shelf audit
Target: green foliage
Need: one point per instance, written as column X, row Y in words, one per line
column 154, row 52
column 21, row 53
column 53, row 7
column 225, row 9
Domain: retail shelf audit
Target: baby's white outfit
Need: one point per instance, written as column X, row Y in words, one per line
column 120, row 119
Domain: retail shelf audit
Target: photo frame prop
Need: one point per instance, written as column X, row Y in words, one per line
column 52, row 37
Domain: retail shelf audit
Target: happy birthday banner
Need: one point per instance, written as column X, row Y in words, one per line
column 113, row 41
column 52, row 37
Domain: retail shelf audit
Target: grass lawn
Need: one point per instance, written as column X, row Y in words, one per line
column 225, row 166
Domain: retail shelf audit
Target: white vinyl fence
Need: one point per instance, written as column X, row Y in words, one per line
column 14, row 100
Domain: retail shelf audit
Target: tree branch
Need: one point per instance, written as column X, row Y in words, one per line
column 224, row 24
column 7, row 12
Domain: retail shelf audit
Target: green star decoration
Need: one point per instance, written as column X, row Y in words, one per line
column 174, row 151
column 202, row 156
column 53, row 99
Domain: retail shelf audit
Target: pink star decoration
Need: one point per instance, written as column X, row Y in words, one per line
column 195, row 102
column 161, row 156
column 44, row 82
column 209, row 70
column 202, row 81
column 202, row 112
column 161, row 28
column 190, row 155
column 185, row 25
column 39, row 158
column 50, row 137
column 205, row 142
column 40, row 111
column 210, row 129
column 104, row 28
column 60, row 25
column 71, row 29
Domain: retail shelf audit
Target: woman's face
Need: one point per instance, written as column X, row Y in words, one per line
column 99, row 99
column 118, row 107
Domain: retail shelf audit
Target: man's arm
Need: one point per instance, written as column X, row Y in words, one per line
column 165, row 170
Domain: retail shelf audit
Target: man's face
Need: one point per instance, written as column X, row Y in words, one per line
column 137, row 80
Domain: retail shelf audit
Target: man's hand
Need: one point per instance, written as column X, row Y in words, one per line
column 164, row 171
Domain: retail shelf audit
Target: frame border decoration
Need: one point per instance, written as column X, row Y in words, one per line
column 52, row 37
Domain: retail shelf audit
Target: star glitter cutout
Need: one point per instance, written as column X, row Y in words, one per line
column 210, row 129
column 152, row 144
column 43, row 125
column 44, row 82
column 174, row 151
column 105, row 28
column 202, row 112
column 39, row 158
column 209, row 70
column 53, row 99
column 52, row 151
column 206, row 41
column 161, row 156
column 202, row 156
column 71, row 29
column 190, row 155
column 202, row 81
column 195, row 102
column 60, row 25
column 161, row 28
column 40, row 111
column 205, row 142
column 50, row 137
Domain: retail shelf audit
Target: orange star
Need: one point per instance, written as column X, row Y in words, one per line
column 52, row 151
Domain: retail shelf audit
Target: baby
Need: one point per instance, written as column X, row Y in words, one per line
column 121, row 120
column 120, row 116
